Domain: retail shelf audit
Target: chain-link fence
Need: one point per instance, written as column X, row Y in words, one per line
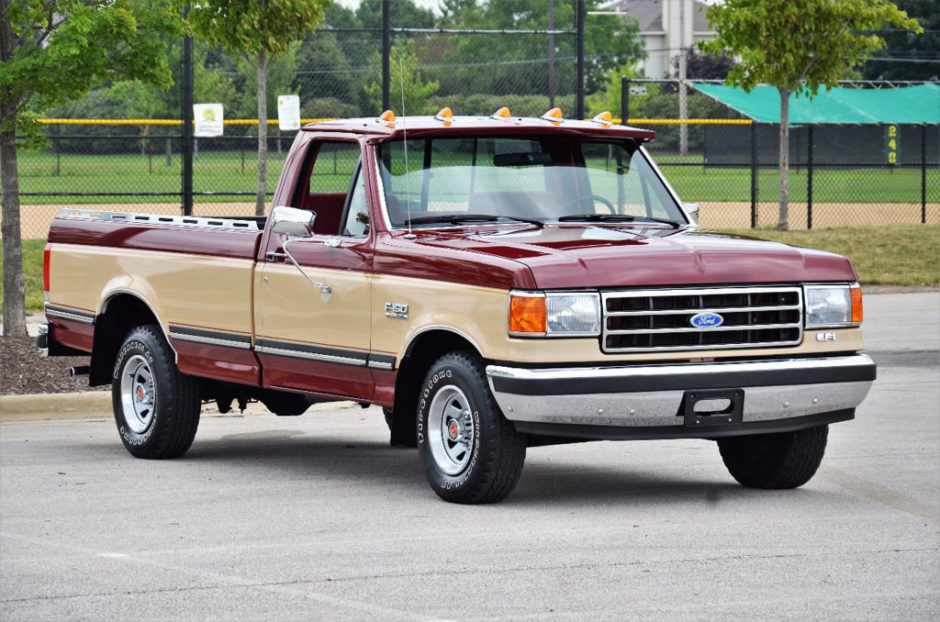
column 730, row 170
column 725, row 163
column 839, row 175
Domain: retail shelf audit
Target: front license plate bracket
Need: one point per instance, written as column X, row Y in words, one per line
column 712, row 407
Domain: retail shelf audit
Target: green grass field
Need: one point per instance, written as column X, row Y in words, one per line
column 221, row 172
column 897, row 255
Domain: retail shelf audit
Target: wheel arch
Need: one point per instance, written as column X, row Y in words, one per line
column 120, row 312
column 424, row 348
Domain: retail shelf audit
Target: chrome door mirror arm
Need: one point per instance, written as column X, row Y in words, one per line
column 323, row 287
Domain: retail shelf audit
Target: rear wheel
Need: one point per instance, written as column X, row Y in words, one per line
column 471, row 453
column 784, row 460
column 156, row 408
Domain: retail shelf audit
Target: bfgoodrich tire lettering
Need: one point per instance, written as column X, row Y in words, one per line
column 156, row 408
column 785, row 460
column 471, row 453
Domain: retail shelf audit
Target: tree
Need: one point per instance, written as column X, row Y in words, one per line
column 259, row 31
column 705, row 66
column 908, row 56
column 52, row 52
column 519, row 64
column 406, row 81
column 798, row 47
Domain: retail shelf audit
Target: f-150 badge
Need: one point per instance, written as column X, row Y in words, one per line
column 397, row 310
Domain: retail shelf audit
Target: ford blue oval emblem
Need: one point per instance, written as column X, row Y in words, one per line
column 706, row 320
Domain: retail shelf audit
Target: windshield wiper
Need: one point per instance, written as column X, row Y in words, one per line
column 532, row 221
column 616, row 218
column 453, row 218
column 466, row 218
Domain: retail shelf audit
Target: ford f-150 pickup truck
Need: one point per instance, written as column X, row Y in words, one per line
column 493, row 283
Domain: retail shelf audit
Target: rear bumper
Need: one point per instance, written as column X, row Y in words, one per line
column 625, row 401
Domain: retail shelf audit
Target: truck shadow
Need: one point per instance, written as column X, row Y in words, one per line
column 570, row 482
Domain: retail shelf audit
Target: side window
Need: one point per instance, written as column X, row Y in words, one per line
column 328, row 184
column 357, row 213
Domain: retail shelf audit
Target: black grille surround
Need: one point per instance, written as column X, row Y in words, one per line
column 655, row 320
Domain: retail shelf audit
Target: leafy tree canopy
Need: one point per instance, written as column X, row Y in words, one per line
column 55, row 51
column 797, row 45
column 910, row 56
column 255, row 29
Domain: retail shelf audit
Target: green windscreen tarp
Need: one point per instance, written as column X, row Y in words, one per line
column 911, row 104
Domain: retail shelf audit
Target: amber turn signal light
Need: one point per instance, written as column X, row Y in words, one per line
column 527, row 314
column 555, row 115
column 605, row 118
column 387, row 118
column 857, row 311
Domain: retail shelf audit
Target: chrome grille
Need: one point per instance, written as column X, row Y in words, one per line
column 661, row 319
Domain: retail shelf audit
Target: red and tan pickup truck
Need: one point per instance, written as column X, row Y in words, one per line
column 493, row 283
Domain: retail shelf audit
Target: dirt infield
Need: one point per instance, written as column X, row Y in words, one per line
column 825, row 215
column 35, row 219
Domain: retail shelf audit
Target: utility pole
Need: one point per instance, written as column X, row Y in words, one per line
column 683, row 91
column 186, row 114
column 579, row 95
column 386, row 57
column 551, row 53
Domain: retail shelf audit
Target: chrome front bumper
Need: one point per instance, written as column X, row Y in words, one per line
column 662, row 396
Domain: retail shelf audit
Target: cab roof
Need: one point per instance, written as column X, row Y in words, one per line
column 395, row 128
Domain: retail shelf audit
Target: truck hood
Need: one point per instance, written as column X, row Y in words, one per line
column 580, row 255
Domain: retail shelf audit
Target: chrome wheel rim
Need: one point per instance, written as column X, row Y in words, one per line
column 138, row 394
column 451, row 432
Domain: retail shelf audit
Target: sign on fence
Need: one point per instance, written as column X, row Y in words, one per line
column 288, row 112
column 208, row 119
column 892, row 144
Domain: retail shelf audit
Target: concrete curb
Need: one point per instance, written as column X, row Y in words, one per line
column 79, row 405
column 97, row 405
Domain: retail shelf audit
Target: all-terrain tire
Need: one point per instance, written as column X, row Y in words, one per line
column 471, row 453
column 156, row 408
column 774, row 461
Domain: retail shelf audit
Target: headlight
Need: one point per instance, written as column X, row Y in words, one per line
column 573, row 314
column 833, row 305
column 555, row 314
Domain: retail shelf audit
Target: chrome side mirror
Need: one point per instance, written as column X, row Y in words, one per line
column 292, row 221
column 692, row 210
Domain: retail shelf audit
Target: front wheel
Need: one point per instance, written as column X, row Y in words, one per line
column 471, row 453
column 156, row 407
column 783, row 460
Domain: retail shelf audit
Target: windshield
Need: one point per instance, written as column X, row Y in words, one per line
column 532, row 179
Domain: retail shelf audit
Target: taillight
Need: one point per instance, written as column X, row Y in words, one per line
column 45, row 268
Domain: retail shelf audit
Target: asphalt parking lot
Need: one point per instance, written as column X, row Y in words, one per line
column 317, row 518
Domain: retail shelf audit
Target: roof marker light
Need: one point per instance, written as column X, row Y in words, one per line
column 446, row 115
column 502, row 113
column 387, row 118
column 554, row 115
column 605, row 118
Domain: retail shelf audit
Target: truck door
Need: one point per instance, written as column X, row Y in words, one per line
column 312, row 327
